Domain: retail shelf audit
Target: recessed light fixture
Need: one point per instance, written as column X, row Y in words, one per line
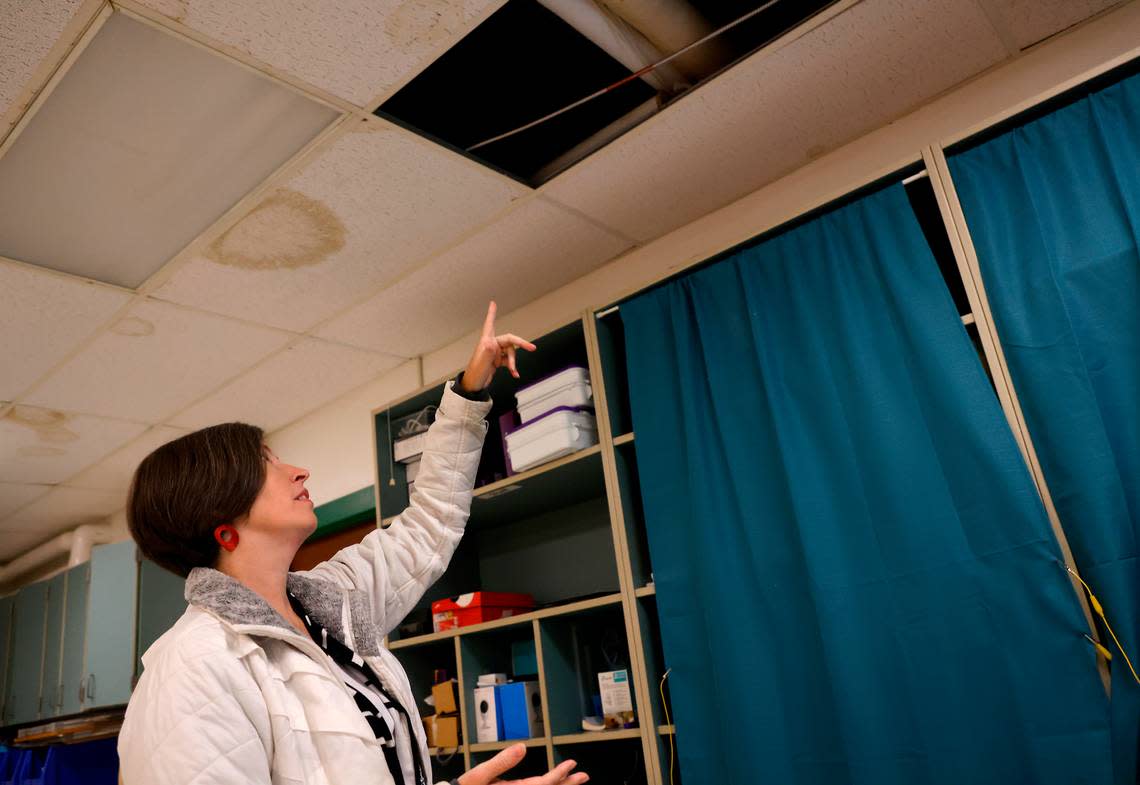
column 145, row 142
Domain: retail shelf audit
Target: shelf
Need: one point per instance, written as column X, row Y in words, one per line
column 560, row 483
column 666, row 730
column 601, row 735
column 625, row 438
column 646, row 591
column 523, row 618
column 495, row 746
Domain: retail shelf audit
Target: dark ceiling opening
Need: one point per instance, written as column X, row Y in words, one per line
column 524, row 62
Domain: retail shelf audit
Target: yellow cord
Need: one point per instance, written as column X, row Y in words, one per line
column 665, row 706
column 1099, row 609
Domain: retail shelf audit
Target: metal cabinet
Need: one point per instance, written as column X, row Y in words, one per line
column 74, row 637
column 51, row 696
column 25, row 666
column 109, row 662
column 161, row 603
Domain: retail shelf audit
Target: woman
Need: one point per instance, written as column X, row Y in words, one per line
column 278, row 677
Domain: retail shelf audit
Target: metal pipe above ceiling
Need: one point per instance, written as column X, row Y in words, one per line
column 620, row 41
column 671, row 25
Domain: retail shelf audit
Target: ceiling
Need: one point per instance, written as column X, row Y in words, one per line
column 352, row 244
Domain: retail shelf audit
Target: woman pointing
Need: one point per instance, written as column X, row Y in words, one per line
column 272, row 676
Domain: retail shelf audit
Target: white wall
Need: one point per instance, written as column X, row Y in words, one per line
column 335, row 443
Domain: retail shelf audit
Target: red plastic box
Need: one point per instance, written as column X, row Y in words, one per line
column 477, row 607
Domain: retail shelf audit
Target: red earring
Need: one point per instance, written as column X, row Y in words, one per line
column 230, row 542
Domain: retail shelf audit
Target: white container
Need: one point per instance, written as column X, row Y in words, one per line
column 412, row 470
column 554, row 434
column 410, row 448
column 570, row 387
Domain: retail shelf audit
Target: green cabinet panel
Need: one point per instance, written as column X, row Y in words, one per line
column 6, row 604
column 26, row 664
column 74, row 636
column 50, row 689
column 161, row 603
column 111, row 606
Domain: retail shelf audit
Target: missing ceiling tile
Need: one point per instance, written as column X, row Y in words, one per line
column 533, row 58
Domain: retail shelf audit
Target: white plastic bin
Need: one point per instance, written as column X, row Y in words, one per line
column 567, row 388
column 560, row 432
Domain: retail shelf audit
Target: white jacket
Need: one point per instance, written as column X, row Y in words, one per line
column 233, row 693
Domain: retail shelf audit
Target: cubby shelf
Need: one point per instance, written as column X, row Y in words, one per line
column 495, row 746
column 601, row 735
column 522, row 618
column 568, row 529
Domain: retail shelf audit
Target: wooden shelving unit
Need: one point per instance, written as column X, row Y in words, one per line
column 570, row 532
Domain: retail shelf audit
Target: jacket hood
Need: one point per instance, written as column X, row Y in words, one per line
column 235, row 602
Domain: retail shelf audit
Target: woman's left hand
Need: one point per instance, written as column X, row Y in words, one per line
column 491, row 353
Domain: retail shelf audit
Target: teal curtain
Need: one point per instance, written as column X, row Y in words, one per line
column 855, row 578
column 1054, row 211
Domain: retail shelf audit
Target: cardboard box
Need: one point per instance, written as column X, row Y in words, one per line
column 429, row 729
column 488, row 720
column 446, row 731
column 445, row 700
column 477, row 607
column 520, row 705
column 617, row 703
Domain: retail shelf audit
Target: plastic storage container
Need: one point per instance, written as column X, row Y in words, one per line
column 559, row 432
column 569, row 387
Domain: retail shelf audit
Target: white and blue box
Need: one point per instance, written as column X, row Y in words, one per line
column 520, row 706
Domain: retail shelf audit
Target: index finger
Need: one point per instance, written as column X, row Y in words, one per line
column 489, row 322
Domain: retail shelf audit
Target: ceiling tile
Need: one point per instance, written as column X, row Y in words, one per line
column 288, row 385
column 1030, row 21
column 28, row 31
column 46, row 446
column 155, row 361
column 14, row 542
column 773, row 112
column 370, row 207
column 355, row 49
column 531, row 251
column 14, row 495
column 64, row 508
column 114, row 473
column 43, row 317
column 149, row 130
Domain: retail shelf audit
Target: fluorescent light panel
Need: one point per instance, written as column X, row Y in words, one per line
column 145, row 142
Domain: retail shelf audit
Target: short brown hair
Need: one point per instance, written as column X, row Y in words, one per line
column 186, row 488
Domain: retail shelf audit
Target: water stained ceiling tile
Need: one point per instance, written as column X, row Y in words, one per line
column 154, row 361
column 114, row 472
column 774, row 111
column 354, row 49
column 1030, row 21
column 64, row 508
column 529, row 252
column 288, row 385
column 14, row 495
column 28, row 31
column 149, row 132
column 375, row 203
column 43, row 317
column 48, row 446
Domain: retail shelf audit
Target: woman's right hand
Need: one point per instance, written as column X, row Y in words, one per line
column 489, row 773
